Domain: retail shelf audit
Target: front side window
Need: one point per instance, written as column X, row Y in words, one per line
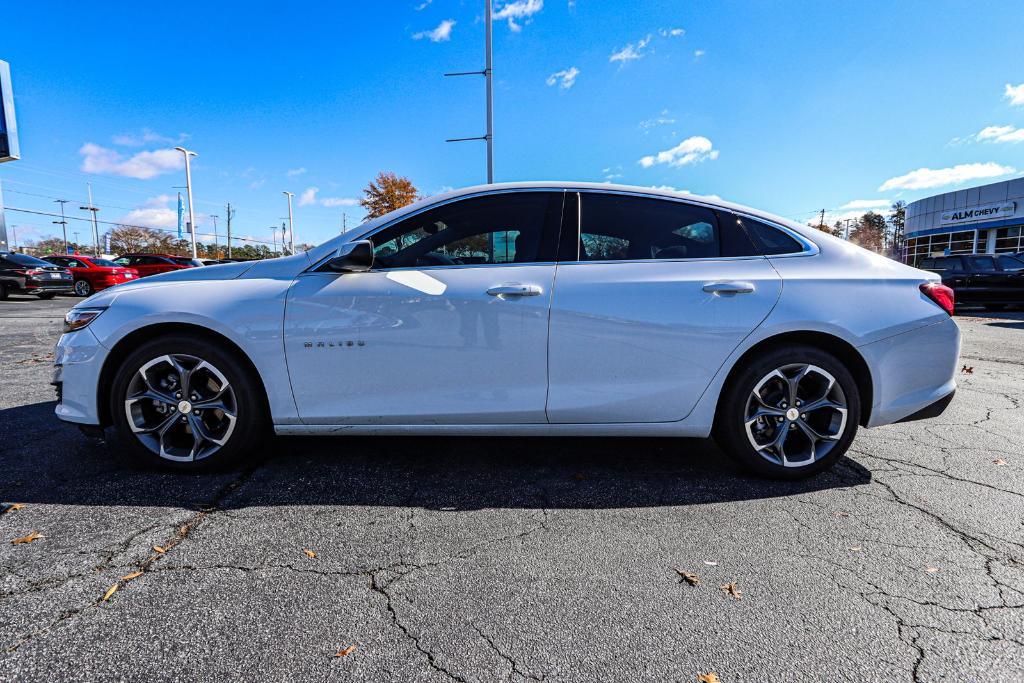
column 512, row 227
column 627, row 228
column 1011, row 263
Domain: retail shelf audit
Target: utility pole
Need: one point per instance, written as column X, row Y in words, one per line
column 488, row 75
column 188, row 189
column 95, row 227
column 76, row 239
column 63, row 222
column 291, row 226
column 273, row 232
column 215, row 235
column 344, row 222
column 231, row 212
column 821, row 221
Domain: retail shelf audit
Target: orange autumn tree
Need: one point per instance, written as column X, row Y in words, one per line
column 387, row 192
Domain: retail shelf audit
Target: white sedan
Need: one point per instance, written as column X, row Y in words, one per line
column 558, row 309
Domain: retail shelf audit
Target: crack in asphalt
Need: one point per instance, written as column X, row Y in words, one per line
column 514, row 666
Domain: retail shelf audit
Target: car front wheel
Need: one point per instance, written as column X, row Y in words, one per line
column 790, row 413
column 184, row 403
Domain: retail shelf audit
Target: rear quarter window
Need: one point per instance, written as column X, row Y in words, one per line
column 769, row 240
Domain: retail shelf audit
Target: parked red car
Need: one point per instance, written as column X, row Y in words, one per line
column 154, row 264
column 93, row 274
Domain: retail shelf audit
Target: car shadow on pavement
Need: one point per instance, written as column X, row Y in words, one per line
column 45, row 461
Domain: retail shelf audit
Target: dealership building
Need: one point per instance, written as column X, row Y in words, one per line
column 979, row 220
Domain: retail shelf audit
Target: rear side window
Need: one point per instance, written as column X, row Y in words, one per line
column 984, row 264
column 769, row 240
column 626, row 228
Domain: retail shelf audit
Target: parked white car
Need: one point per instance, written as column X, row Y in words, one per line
column 557, row 309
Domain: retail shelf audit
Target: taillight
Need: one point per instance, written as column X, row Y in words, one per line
column 940, row 294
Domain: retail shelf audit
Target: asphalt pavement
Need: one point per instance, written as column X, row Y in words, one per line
column 494, row 559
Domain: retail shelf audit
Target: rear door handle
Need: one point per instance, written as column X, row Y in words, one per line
column 728, row 287
column 515, row 289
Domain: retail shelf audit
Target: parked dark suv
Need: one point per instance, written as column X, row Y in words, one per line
column 23, row 274
column 990, row 280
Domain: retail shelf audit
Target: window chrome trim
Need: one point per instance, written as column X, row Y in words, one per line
column 809, row 247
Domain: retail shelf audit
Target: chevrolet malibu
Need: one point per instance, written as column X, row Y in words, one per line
column 523, row 309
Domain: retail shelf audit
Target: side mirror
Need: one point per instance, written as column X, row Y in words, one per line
column 353, row 257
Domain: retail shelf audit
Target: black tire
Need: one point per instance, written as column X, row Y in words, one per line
column 83, row 288
column 3, row 291
column 243, row 441
column 737, row 404
column 47, row 295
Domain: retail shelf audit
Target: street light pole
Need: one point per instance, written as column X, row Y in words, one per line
column 215, row 235
column 95, row 227
column 488, row 75
column 188, row 189
column 291, row 226
column 63, row 222
column 273, row 231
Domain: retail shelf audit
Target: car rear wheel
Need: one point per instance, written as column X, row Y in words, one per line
column 3, row 292
column 184, row 403
column 83, row 288
column 790, row 413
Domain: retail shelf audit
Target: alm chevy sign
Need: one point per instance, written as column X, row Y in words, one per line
column 985, row 212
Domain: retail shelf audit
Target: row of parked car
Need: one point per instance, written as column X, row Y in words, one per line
column 83, row 275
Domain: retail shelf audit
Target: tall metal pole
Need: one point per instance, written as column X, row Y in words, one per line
column 3, row 225
column 489, row 76
column 214, row 235
column 230, row 212
column 188, row 190
column 63, row 222
column 95, row 227
column 291, row 226
column 273, row 231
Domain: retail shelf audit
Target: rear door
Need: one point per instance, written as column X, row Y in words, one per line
column 651, row 296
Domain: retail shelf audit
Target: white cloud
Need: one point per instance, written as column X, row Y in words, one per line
column 669, row 188
column 146, row 136
column 308, row 198
column 423, row 5
column 565, row 78
column 697, row 54
column 867, row 204
column 440, row 34
column 1000, row 134
column 518, row 10
column 1015, row 93
column 338, row 201
column 926, row 178
column 143, row 165
column 672, row 32
column 257, row 184
column 292, row 172
column 692, row 150
column 631, row 51
column 660, row 120
column 161, row 212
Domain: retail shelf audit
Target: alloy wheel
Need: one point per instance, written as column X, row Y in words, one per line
column 82, row 288
column 795, row 415
column 181, row 407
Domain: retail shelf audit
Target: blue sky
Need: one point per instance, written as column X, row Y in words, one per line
column 787, row 106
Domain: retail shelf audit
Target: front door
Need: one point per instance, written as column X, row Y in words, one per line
column 656, row 297
column 449, row 327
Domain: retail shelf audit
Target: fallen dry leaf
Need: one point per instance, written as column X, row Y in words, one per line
column 110, row 591
column 309, row 553
column 710, row 677
column 733, row 590
column 688, row 577
column 346, row 652
column 159, row 549
column 842, row 514
column 129, row 577
column 931, row 570
column 998, row 461
column 967, row 370
column 15, row 506
column 26, row 539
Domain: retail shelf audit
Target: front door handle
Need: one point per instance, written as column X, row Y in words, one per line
column 515, row 289
column 728, row 287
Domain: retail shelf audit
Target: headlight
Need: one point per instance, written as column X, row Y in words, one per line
column 77, row 318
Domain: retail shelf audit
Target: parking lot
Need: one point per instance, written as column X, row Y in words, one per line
column 486, row 559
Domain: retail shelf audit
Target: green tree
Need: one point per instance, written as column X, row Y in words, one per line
column 387, row 192
column 870, row 232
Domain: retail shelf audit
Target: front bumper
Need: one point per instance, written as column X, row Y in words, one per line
column 78, row 359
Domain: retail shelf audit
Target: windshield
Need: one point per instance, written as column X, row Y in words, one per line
column 26, row 260
column 104, row 263
column 182, row 261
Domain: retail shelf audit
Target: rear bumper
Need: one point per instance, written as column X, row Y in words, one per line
column 932, row 410
column 912, row 371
